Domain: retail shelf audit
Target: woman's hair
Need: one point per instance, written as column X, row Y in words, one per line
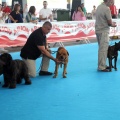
column 16, row 7
column 77, row 8
column 32, row 10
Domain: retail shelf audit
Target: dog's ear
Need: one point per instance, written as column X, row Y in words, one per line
column 9, row 57
column 68, row 53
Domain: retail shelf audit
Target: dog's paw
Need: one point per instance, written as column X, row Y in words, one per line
column 54, row 76
column 12, row 87
column 116, row 69
column 28, row 82
column 5, row 85
column 19, row 81
column 64, row 76
column 110, row 70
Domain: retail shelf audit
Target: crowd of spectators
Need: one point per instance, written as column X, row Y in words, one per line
column 16, row 15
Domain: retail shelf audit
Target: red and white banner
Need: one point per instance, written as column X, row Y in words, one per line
column 13, row 34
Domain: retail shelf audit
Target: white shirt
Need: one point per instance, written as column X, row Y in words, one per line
column 94, row 14
column 45, row 13
column 25, row 12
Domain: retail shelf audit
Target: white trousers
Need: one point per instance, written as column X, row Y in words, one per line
column 31, row 64
column 103, row 43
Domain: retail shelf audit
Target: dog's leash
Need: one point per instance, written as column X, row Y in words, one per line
column 111, row 40
column 53, row 52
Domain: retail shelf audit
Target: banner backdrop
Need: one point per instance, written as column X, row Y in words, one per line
column 13, row 34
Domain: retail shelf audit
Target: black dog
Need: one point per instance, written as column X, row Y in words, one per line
column 13, row 71
column 113, row 54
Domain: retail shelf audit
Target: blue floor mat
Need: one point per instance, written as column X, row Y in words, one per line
column 85, row 94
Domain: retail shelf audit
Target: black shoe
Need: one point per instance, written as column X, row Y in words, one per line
column 45, row 73
column 107, row 67
column 105, row 70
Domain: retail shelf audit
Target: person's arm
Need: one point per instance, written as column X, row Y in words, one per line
column 2, row 16
column 46, row 53
column 82, row 13
column 86, row 11
column 50, row 17
column 25, row 8
column 34, row 21
column 115, row 11
column 109, row 18
column 73, row 16
column 111, row 24
column 28, row 18
column 41, row 18
column 15, row 21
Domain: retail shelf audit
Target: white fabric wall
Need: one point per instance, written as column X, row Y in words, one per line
column 51, row 3
column 89, row 4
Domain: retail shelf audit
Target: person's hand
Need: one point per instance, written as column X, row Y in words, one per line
column 46, row 18
column 57, row 61
column 7, row 13
column 15, row 21
column 113, row 24
column 49, row 17
column 36, row 21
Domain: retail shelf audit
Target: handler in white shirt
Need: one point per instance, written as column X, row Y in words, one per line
column 45, row 13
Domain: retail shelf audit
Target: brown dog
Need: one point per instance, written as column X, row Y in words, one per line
column 62, row 55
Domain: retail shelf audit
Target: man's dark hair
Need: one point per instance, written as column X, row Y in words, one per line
column 44, row 1
column 47, row 23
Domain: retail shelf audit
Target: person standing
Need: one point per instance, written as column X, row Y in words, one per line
column 25, row 11
column 94, row 12
column 102, row 28
column 113, row 10
column 118, row 13
column 84, row 9
column 78, row 15
column 36, row 46
column 45, row 13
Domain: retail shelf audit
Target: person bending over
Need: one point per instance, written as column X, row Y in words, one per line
column 36, row 46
